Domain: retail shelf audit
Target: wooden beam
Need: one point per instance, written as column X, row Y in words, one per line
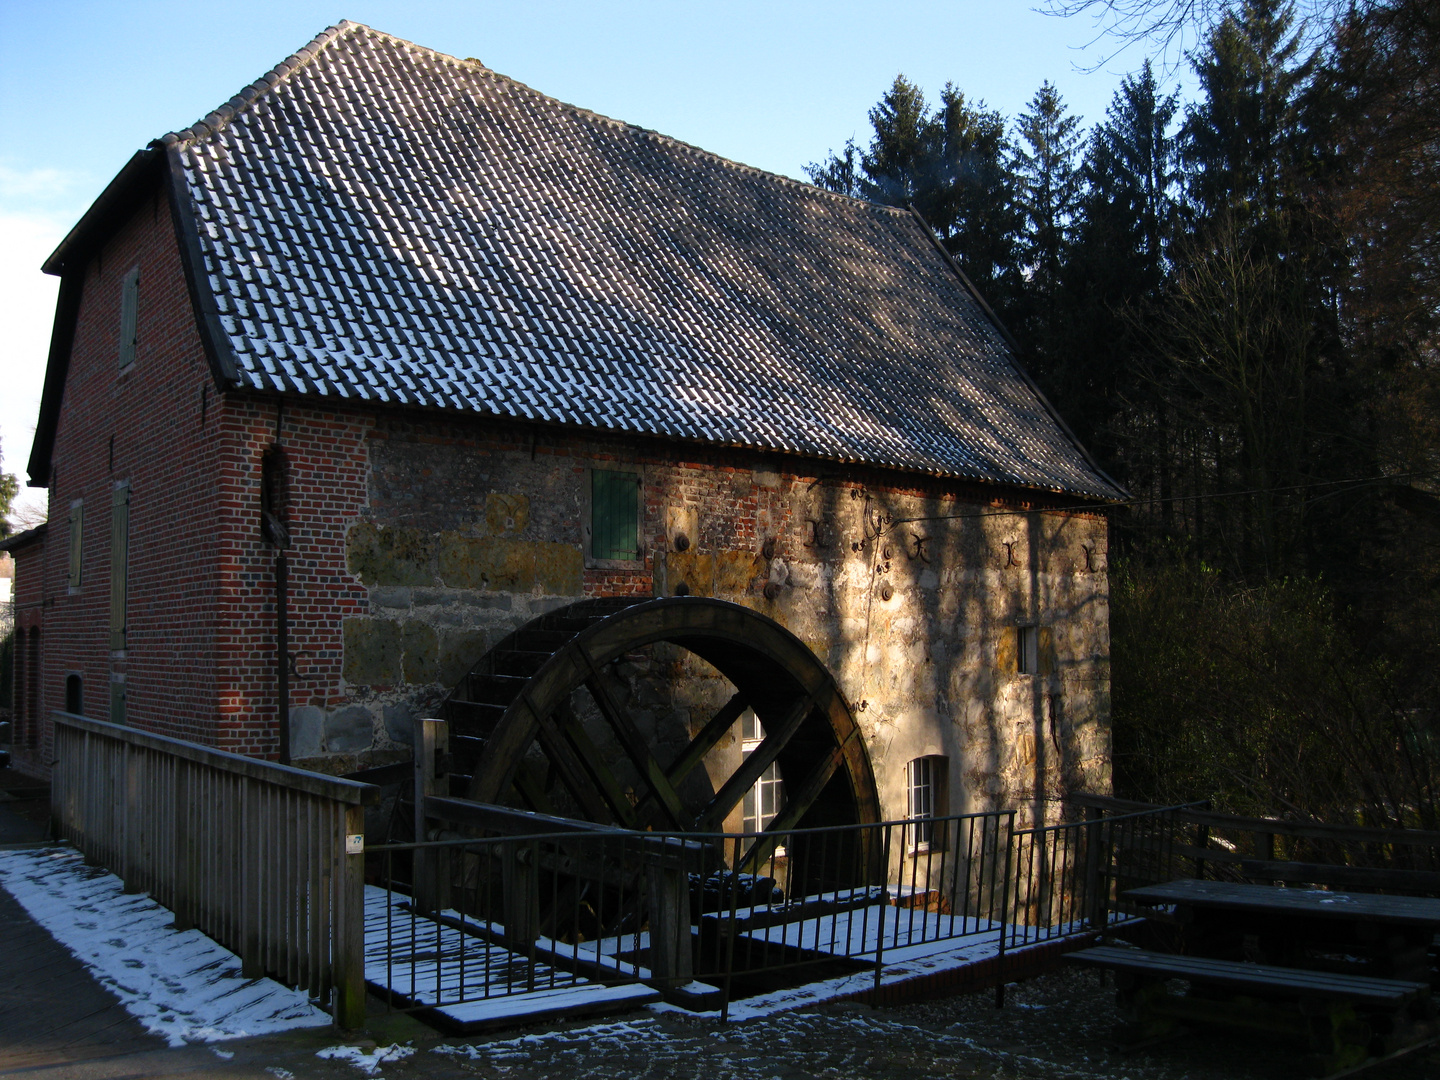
column 286, row 776
column 797, row 802
column 634, row 744
column 698, row 747
column 594, row 763
column 760, row 759
column 710, row 734
column 570, row 769
column 506, row 820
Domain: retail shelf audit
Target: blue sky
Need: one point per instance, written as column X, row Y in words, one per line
column 776, row 85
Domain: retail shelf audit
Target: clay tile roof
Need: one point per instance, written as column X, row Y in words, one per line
column 383, row 223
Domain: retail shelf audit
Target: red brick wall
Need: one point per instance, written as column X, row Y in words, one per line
column 155, row 426
column 28, row 658
column 326, row 456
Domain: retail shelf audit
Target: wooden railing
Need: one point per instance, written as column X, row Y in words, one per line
column 266, row 859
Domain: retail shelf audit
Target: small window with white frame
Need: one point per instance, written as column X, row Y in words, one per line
column 926, row 798
column 762, row 802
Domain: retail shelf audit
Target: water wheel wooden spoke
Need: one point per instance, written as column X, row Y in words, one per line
column 520, row 701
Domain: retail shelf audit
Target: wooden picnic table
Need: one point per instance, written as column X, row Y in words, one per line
column 1350, row 972
column 1384, row 936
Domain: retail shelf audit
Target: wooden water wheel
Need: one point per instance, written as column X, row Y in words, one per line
column 517, row 727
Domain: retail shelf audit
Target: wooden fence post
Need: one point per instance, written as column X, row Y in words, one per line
column 1094, row 902
column 247, row 869
column 349, row 930
column 520, row 880
column 429, row 886
column 184, row 858
column 671, row 960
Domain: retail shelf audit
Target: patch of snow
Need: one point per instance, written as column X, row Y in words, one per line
column 178, row 983
column 279, row 1073
column 368, row 1061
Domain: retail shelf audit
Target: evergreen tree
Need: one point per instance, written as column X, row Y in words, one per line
column 1047, row 179
column 1243, row 137
column 950, row 164
column 1045, row 166
column 841, row 173
column 900, row 164
column 972, row 205
column 1125, row 223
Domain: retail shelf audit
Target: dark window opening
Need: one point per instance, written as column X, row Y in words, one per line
column 18, row 695
column 74, row 694
column 1027, row 650
column 117, row 699
column 119, row 566
column 32, row 691
column 77, row 544
column 275, row 497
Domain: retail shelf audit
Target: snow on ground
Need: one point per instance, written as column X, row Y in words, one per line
column 367, row 1061
column 179, row 984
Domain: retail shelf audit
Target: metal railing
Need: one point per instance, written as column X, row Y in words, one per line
column 1070, row 878
column 266, row 859
column 458, row 921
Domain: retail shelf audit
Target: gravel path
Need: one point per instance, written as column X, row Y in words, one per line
column 1053, row 1028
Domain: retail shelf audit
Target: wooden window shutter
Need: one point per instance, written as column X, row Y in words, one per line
column 1006, row 650
column 119, row 564
column 614, row 515
column 117, row 699
column 1049, row 664
column 77, row 542
column 129, row 316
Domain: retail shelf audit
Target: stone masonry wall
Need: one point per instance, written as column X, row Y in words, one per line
column 911, row 591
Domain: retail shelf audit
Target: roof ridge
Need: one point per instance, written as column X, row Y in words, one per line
column 215, row 121
column 681, row 144
column 471, row 64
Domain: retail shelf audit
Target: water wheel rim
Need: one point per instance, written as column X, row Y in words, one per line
column 731, row 638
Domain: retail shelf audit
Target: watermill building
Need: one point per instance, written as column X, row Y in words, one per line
column 391, row 356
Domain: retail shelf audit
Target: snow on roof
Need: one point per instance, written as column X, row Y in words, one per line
column 383, row 223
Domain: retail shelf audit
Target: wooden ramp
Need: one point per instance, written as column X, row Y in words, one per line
column 463, row 983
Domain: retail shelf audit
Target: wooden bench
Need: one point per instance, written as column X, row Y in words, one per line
column 1259, row 980
column 1346, row 1019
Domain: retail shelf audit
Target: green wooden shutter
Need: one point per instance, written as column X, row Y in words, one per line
column 614, row 515
column 77, row 537
column 129, row 315
column 119, row 564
